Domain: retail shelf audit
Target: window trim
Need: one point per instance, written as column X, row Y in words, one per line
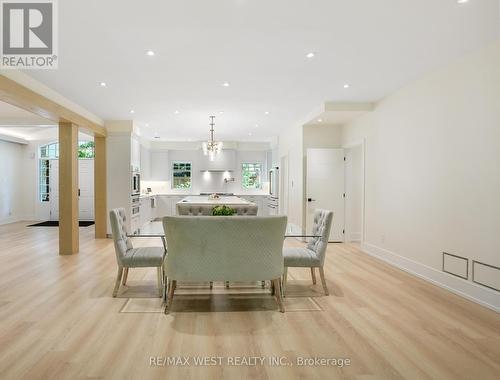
column 172, row 163
column 260, row 175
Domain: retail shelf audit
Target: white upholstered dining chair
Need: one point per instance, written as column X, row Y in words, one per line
column 129, row 257
column 313, row 254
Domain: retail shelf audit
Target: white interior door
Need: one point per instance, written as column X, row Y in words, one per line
column 325, row 187
column 86, row 186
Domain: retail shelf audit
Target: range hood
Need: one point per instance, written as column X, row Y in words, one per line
column 225, row 161
column 216, row 170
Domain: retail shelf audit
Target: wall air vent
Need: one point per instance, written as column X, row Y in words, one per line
column 456, row 265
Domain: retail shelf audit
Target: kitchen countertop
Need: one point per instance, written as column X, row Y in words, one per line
column 205, row 200
column 196, row 195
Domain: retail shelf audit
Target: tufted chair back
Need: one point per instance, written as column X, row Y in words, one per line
column 194, row 210
column 206, row 210
column 250, row 210
column 321, row 226
column 122, row 241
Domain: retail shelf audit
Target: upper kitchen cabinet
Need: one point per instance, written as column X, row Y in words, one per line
column 145, row 164
column 225, row 160
column 160, row 170
column 135, row 153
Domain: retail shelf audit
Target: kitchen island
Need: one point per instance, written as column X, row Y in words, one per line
column 204, row 204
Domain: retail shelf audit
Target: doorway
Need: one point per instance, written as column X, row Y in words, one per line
column 325, row 188
column 85, row 190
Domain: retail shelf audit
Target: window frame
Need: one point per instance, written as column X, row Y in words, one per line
column 172, row 171
column 261, row 168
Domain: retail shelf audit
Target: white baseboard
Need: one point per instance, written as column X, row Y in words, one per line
column 355, row 237
column 476, row 293
column 9, row 219
column 15, row 219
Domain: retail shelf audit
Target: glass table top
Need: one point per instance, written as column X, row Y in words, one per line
column 155, row 229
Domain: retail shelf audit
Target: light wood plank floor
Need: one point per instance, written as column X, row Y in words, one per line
column 58, row 320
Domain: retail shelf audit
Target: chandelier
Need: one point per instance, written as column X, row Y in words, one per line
column 211, row 147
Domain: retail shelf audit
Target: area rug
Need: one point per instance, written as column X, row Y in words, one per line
column 55, row 223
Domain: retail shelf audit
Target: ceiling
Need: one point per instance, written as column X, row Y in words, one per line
column 22, row 124
column 259, row 47
column 13, row 116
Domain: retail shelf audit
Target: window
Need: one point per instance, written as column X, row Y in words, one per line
column 181, row 175
column 86, row 149
column 44, row 169
column 251, row 175
column 51, row 152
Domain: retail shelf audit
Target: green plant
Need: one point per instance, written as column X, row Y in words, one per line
column 223, row 211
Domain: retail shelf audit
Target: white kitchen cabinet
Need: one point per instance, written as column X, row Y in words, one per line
column 145, row 210
column 260, row 201
column 135, row 153
column 145, row 163
column 173, row 203
column 163, row 207
column 160, row 170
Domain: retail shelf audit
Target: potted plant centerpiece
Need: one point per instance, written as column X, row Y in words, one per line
column 223, row 210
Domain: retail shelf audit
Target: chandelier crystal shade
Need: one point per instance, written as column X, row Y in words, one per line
column 211, row 147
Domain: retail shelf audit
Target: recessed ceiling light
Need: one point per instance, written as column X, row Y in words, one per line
column 176, row 112
column 320, row 120
column 132, row 111
column 462, row 1
column 266, row 113
column 225, row 84
column 249, row 133
column 347, row 85
column 102, row 84
column 256, row 125
column 151, row 53
column 146, row 125
column 310, row 55
column 221, row 112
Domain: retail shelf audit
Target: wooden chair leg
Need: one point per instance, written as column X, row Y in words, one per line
column 211, row 284
column 227, row 284
column 159, row 276
column 278, row 294
column 323, row 281
column 125, row 276
column 118, row 280
column 313, row 275
column 285, row 277
column 171, row 290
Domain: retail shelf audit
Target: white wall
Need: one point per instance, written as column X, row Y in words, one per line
column 354, row 192
column 291, row 146
column 432, row 174
column 11, row 182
